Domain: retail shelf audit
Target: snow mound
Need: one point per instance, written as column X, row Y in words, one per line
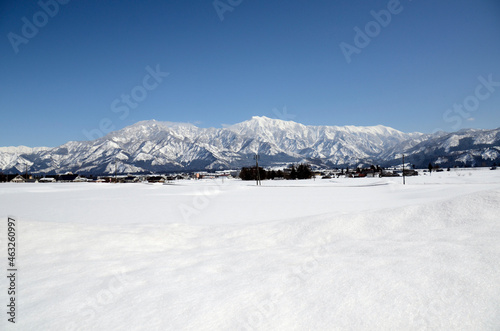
column 425, row 256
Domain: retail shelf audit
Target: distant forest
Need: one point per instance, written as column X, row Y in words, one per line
column 301, row 171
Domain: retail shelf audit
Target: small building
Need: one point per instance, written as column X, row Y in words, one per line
column 18, row 179
column 80, row 179
column 130, row 179
column 47, row 180
column 410, row 172
column 155, row 179
column 67, row 178
column 387, row 173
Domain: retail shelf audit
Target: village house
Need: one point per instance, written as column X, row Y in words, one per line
column 47, row 180
column 18, row 179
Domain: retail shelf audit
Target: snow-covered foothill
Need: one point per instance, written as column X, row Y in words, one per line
column 355, row 254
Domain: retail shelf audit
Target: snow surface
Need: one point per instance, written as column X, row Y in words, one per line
column 340, row 254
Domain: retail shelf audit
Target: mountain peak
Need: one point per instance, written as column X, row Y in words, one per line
column 263, row 119
column 166, row 146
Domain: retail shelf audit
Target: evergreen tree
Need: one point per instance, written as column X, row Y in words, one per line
column 304, row 171
column 247, row 174
column 251, row 173
column 293, row 173
column 262, row 173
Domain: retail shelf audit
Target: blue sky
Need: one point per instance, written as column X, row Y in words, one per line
column 89, row 66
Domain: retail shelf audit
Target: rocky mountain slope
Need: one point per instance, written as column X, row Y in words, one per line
column 152, row 146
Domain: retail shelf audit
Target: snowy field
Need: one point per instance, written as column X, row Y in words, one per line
column 340, row 254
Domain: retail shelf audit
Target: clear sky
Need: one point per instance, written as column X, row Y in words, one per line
column 78, row 69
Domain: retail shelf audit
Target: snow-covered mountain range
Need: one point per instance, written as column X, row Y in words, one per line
column 152, row 146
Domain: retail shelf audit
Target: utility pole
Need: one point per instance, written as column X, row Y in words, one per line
column 257, row 178
column 116, row 180
column 404, row 170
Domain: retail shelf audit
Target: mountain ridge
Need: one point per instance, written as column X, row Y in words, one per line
column 155, row 146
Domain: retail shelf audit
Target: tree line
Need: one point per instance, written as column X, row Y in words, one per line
column 301, row 171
